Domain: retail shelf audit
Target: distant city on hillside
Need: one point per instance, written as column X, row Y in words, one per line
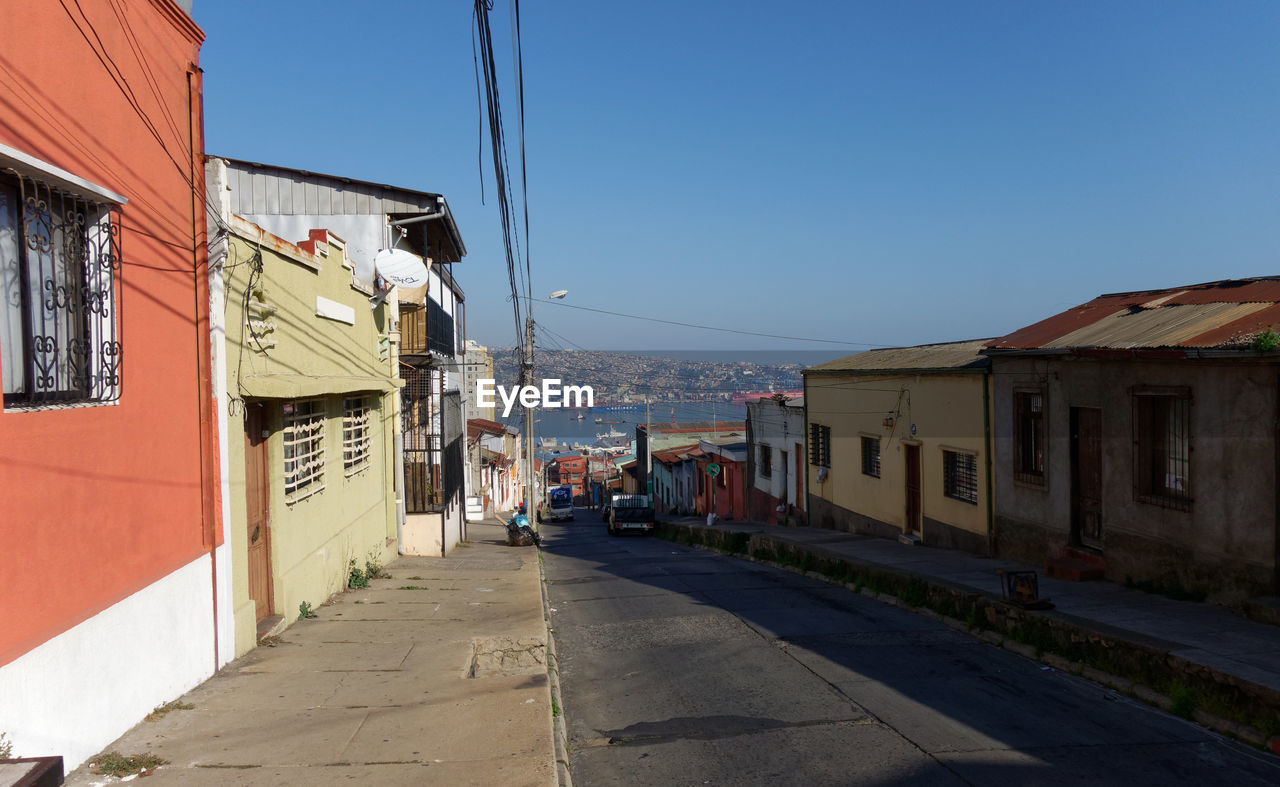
column 618, row 376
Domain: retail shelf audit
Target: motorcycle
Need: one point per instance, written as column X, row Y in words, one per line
column 520, row 533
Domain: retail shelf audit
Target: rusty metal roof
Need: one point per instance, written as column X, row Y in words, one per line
column 1219, row 314
column 949, row 356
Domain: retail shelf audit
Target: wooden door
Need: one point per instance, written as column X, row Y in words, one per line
column 1086, row 477
column 257, row 488
column 784, row 496
column 913, row 487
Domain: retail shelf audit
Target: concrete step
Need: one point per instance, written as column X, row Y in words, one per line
column 1073, row 570
column 1085, row 555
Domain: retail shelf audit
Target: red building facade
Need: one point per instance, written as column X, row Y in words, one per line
column 108, row 460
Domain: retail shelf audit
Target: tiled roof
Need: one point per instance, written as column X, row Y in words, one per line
column 1221, row 314
column 958, row 356
column 673, row 454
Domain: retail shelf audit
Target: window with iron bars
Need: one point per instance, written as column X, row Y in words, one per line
column 1029, row 436
column 766, row 461
column 60, row 285
column 871, row 456
column 303, row 449
column 819, row 445
column 1162, row 447
column 355, row 434
column 960, row 476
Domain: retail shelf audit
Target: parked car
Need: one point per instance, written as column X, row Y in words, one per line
column 475, row 509
column 631, row 513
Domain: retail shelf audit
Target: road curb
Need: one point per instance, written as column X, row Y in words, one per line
column 559, row 730
column 1117, row 659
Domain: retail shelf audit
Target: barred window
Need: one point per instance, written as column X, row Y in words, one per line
column 1162, row 448
column 303, row 449
column 819, row 445
column 355, row 434
column 871, row 456
column 766, row 461
column 960, row 476
column 1029, row 436
column 59, row 296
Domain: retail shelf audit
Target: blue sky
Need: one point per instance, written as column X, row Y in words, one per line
column 880, row 173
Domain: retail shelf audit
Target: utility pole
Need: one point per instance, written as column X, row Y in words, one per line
column 530, row 481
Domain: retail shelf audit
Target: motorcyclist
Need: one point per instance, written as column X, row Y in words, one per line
column 519, row 522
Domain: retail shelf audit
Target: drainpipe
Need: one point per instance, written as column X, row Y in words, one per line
column 986, row 429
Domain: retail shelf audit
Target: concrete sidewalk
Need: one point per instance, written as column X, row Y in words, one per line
column 437, row 675
column 1203, row 640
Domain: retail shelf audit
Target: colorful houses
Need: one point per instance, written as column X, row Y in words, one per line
column 372, row 217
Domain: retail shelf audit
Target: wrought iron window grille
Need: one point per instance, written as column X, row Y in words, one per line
column 819, row 445
column 1029, row 437
column 1162, row 447
column 355, row 435
column 960, row 476
column 60, row 296
column 871, row 456
column 303, row 449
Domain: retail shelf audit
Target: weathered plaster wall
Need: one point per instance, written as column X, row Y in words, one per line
column 1226, row 542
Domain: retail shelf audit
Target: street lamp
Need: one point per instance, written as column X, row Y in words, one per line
column 530, row 480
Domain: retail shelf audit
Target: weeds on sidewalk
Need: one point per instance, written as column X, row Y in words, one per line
column 163, row 710
column 120, row 765
column 305, row 611
column 358, row 577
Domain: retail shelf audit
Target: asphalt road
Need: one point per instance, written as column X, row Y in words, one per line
column 679, row 666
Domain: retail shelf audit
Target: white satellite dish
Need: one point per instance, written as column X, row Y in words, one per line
column 401, row 268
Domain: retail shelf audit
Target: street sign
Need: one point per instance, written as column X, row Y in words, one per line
column 713, row 469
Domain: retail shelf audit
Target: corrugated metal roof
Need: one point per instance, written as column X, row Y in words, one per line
column 1209, row 315
column 957, row 356
column 1163, row 326
column 258, row 189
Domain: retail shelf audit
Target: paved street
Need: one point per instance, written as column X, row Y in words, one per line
column 680, row 666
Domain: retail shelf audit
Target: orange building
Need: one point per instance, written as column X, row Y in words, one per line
column 569, row 471
column 109, row 529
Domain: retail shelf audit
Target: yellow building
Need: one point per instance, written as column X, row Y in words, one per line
column 310, row 382
column 899, row 444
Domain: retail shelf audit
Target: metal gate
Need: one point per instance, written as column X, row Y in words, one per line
column 431, row 420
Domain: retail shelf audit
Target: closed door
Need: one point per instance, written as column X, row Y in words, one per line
column 783, row 496
column 799, row 476
column 912, row 453
column 1086, row 477
column 257, row 488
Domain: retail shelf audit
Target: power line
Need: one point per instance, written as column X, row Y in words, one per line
column 711, row 327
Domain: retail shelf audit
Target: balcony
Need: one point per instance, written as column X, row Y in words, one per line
column 426, row 330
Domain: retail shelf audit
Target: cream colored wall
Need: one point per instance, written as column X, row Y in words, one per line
column 946, row 411
column 353, row 517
